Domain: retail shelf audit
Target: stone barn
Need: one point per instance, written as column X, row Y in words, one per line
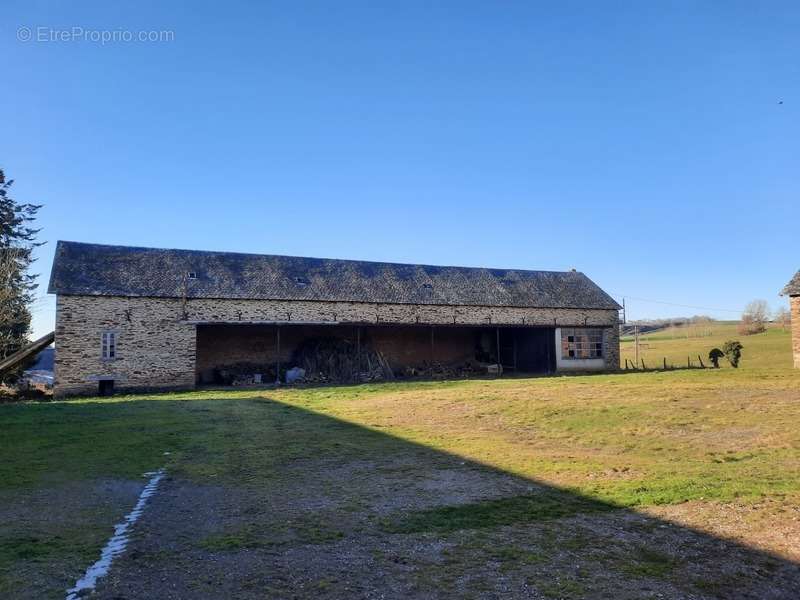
column 145, row 318
column 792, row 290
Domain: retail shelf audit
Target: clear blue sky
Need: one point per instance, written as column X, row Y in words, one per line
column 643, row 143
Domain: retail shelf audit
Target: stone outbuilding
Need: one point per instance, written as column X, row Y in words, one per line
column 144, row 318
column 792, row 290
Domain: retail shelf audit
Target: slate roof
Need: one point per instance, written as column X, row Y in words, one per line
column 793, row 287
column 92, row 269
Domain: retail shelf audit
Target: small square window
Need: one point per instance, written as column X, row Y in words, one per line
column 192, row 275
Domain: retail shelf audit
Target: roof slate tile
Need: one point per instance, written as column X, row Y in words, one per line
column 93, row 269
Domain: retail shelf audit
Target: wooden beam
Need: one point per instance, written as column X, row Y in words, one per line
column 358, row 352
column 499, row 362
column 277, row 354
column 514, row 338
column 17, row 357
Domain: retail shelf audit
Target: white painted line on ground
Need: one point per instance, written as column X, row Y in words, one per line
column 118, row 542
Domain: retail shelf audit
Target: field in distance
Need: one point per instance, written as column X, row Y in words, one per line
column 771, row 349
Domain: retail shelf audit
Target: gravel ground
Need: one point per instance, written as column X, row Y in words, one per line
column 53, row 529
column 316, row 532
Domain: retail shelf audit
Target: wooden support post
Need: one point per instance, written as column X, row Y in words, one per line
column 644, row 368
column 499, row 363
column 665, row 363
column 277, row 354
column 432, row 353
column 688, row 362
column 514, row 341
column 700, row 360
column 358, row 352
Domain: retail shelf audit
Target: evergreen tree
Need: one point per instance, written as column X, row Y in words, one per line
column 17, row 285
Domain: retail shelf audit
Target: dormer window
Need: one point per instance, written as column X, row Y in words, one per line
column 302, row 281
column 192, row 275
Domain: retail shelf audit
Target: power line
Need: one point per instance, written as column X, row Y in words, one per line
column 679, row 305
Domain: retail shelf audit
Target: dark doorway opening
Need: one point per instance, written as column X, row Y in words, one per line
column 233, row 354
column 527, row 349
column 106, row 387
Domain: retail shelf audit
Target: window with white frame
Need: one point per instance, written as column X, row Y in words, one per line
column 108, row 345
column 581, row 343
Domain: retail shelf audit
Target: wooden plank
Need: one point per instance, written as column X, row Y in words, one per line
column 20, row 355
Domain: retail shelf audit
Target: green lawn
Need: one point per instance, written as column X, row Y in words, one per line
column 771, row 349
column 655, row 443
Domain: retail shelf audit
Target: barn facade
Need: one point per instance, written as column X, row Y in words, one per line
column 145, row 318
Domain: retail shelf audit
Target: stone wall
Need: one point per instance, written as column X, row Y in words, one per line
column 205, row 310
column 155, row 349
column 794, row 302
column 611, row 348
column 156, row 337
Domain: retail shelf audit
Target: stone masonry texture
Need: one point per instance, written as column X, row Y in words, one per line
column 157, row 337
column 794, row 301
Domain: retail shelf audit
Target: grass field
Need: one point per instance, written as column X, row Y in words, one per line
column 771, row 349
column 664, row 485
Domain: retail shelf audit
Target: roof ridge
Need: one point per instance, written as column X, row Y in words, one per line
column 319, row 258
column 81, row 268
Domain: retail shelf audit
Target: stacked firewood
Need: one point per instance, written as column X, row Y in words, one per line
column 331, row 360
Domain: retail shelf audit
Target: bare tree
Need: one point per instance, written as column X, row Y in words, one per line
column 783, row 317
column 754, row 317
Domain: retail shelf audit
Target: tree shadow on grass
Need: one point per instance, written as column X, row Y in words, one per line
column 268, row 499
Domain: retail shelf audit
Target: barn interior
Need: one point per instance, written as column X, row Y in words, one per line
column 240, row 354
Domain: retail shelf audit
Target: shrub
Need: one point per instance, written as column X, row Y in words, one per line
column 733, row 352
column 714, row 356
